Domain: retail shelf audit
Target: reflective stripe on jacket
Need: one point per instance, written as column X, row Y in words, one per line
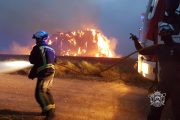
column 50, row 65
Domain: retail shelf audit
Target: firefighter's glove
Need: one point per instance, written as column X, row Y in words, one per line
column 133, row 37
column 31, row 77
column 33, row 73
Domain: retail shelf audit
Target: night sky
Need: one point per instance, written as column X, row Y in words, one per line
column 20, row 19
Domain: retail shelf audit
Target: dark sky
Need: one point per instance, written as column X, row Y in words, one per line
column 20, row 19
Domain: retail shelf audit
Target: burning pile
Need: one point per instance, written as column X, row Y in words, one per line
column 89, row 43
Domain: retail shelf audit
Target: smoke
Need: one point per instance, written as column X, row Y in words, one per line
column 21, row 19
column 10, row 66
column 113, row 43
column 16, row 48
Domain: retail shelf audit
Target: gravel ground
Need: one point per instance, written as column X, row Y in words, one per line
column 79, row 100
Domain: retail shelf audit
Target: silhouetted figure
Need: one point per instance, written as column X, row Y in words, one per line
column 169, row 61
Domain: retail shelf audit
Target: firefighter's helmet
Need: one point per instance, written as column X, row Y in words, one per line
column 165, row 29
column 41, row 35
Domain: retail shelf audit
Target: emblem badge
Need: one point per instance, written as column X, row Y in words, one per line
column 157, row 99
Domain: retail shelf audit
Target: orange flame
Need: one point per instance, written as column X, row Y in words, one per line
column 79, row 50
column 74, row 33
column 50, row 42
column 83, row 43
column 93, row 32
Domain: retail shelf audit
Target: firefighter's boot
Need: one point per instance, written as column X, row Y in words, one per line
column 50, row 114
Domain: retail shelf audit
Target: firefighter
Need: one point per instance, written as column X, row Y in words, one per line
column 169, row 60
column 43, row 57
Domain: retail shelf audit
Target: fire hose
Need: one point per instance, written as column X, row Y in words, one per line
column 111, row 65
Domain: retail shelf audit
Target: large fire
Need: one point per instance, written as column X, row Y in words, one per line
column 81, row 43
column 89, row 43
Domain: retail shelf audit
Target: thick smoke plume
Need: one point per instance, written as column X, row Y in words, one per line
column 16, row 48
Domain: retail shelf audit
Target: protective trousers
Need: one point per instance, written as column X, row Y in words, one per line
column 172, row 91
column 43, row 94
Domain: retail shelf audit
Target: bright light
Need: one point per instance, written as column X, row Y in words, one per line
column 79, row 50
column 144, row 69
column 142, row 17
column 10, row 66
column 50, row 42
column 93, row 32
column 17, row 63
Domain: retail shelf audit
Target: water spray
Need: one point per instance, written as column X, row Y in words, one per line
column 11, row 66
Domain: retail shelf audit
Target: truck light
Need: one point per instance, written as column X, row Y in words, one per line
column 142, row 17
column 145, row 69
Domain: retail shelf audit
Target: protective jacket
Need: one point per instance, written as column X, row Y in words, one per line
column 169, row 61
column 43, row 58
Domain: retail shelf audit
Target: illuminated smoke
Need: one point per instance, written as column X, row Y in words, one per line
column 16, row 48
column 11, row 66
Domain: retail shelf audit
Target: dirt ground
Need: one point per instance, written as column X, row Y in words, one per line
column 79, row 100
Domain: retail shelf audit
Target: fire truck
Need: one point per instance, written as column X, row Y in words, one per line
column 157, row 12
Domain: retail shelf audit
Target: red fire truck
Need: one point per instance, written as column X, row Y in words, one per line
column 157, row 12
